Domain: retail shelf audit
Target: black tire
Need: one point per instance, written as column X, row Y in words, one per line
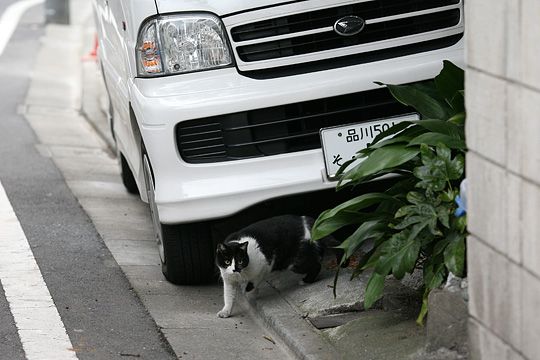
column 188, row 254
column 127, row 176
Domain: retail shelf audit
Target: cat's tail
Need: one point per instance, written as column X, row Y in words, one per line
column 326, row 243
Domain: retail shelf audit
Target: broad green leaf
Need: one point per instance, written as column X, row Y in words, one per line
column 353, row 205
column 346, row 164
column 426, row 210
column 343, row 214
column 440, row 127
column 449, row 82
column 443, row 152
column 374, row 289
column 454, row 255
column 410, row 254
column 416, row 198
column 405, row 135
column 433, row 172
column 434, row 274
column 458, row 119
column 368, row 230
column 424, row 102
column 438, row 169
column 460, row 223
column 343, row 183
column 411, row 220
column 329, row 225
column 456, row 167
column 412, row 131
column 430, row 88
column 440, row 246
column 443, row 214
column 432, row 225
column 432, row 181
column 399, row 254
column 381, row 159
column 394, row 140
column 361, row 263
column 427, row 153
column 457, row 102
column 402, row 186
column 404, row 211
column 393, row 130
column 432, row 139
column 449, row 195
column 376, row 254
column 388, row 208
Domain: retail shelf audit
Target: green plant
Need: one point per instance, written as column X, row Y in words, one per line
column 411, row 223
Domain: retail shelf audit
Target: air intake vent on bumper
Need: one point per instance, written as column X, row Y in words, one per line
column 280, row 129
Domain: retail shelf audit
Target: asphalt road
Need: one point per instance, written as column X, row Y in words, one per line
column 103, row 317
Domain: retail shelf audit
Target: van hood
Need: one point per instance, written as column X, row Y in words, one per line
column 218, row 7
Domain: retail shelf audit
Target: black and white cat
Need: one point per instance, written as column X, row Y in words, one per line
column 246, row 257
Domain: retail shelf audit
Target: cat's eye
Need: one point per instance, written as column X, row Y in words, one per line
column 240, row 262
column 227, row 262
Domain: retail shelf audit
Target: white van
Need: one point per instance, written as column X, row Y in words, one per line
column 219, row 105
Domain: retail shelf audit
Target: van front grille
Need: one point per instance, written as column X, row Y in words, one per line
column 331, row 40
column 305, row 37
column 327, row 17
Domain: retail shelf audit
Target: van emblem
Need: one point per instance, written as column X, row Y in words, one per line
column 349, row 25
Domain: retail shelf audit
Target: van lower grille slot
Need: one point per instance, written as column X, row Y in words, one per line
column 280, row 129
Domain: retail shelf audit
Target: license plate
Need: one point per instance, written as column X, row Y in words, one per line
column 341, row 143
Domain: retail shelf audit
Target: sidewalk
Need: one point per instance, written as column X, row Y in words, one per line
column 308, row 319
column 185, row 316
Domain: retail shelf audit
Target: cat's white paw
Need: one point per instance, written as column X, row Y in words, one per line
column 224, row 313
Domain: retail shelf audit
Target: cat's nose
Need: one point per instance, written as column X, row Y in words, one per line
column 236, row 270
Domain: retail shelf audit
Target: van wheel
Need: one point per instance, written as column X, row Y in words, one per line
column 186, row 251
column 127, row 176
column 188, row 254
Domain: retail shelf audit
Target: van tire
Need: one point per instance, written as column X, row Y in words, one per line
column 127, row 176
column 188, row 254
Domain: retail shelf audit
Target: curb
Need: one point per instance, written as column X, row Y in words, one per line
column 297, row 334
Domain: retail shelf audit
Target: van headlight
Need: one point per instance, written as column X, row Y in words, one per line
column 182, row 43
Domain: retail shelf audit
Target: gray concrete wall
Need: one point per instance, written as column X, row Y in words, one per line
column 503, row 168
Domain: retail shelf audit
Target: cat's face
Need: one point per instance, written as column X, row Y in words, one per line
column 232, row 257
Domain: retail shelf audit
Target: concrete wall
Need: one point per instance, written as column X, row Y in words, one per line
column 503, row 168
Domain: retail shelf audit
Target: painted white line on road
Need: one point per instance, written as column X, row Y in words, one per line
column 38, row 322
column 10, row 18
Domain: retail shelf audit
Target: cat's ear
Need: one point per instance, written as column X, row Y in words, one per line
column 243, row 246
column 221, row 247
